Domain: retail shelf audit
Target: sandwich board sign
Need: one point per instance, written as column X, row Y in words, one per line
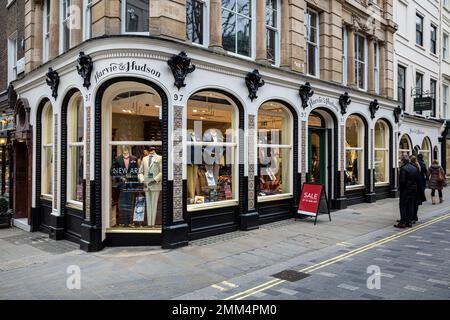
column 313, row 201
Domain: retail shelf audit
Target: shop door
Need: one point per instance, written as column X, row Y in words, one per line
column 317, row 157
column 21, row 172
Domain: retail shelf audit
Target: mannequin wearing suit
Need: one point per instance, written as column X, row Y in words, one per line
column 150, row 173
column 124, row 171
column 214, row 154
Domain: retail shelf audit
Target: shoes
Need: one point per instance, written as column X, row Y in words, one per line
column 400, row 226
column 409, row 225
column 441, row 200
column 413, row 221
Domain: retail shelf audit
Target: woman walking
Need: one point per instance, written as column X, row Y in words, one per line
column 436, row 176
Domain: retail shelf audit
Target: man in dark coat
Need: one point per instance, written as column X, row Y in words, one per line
column 422, row 183
column 408, row 192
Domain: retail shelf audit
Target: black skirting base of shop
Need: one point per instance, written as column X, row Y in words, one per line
column 56, row 227
column 91, row 238
column 340, row 204
column 249, row 220
column 34, row 225
column 175, row 236
column 394, row 193
column 132, row 239
column 371, row 197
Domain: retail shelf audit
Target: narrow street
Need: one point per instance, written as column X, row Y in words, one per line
column 332, row 256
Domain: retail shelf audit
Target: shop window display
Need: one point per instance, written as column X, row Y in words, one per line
column 426, row 151
column 274, row 150
column 211, row 150
column 47, row 150
column 76, row 149
column 136, row 161
column 404, row 147
column 381, row 152
column 354, row 152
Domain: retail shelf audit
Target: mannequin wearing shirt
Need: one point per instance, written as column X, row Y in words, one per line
column 213, row 154
column 124, row 171
column 150, row 173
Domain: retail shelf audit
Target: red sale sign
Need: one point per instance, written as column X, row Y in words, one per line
column 310, row 199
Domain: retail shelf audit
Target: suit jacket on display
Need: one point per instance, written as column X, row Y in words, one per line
column 151, row 166
column 119, row 170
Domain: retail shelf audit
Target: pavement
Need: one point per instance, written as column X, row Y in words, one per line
column 358, row 255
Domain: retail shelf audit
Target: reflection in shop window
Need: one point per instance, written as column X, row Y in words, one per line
column 447, row 153
column 211, row 151
column 237, row 26
column 47, row 150
column 75, row 138
column 381, row 152
column 136, row 161
column 274, row 150
column 354, row 151
column 136, row 13
column 426, row 151
column 405, row 147
column 195, row 27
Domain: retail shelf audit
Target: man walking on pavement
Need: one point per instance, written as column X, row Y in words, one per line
column 408, row 192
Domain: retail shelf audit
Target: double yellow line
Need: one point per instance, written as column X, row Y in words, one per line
column 323, row 264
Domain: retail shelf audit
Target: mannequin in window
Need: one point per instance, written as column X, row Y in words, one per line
column 150, row 174
column 213, row 155
column 193, row 184
column 124, row 172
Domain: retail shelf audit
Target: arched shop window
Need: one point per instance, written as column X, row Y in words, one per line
column 47, row 151
column 426, row 151
column 75, row 145
column 212, row 142
column 274, row 150
column 133, row 131
column 354, row 152
column 405, row 147
column 381, row 152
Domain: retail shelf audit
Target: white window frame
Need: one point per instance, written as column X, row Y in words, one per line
column 206, row 32
column 124, row 20
column 418, row 15
column 46, row 31
column 87, row 19
column 316, row 45
column 445, row 46
column 253, row 31
column 445, row 101
column 433, row 26
column 12, row 57
column 71, row 113
column 280, row 146
column 376, row 72
column 46, row 114
column 365, row 61
column 363, row 160
column 344, row 55
column 64, row 23
column 277, row 34
column 385, row 150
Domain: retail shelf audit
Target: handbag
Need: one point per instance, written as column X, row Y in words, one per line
column 441, row 177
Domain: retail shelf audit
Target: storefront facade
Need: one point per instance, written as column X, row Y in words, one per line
column 133, row 155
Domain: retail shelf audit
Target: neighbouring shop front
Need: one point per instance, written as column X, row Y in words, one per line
column 149, row 146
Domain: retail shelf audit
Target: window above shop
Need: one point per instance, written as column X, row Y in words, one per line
column 135, row 16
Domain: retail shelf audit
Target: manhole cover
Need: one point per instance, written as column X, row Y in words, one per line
column 291, row 275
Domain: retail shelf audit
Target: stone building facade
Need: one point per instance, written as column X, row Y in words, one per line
column 120, row 97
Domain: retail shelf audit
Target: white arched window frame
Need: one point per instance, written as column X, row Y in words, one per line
column 47, row 152
column 75, row 150
column 137, row 11
column 425, row 150
column 354, row 152
column 381, row 160
column 405, row 146
column 199, row 113
column 282, row 123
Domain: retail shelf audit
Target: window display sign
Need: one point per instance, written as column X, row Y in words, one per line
column 313, row 201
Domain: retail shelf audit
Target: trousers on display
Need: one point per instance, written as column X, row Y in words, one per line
column 151, row 198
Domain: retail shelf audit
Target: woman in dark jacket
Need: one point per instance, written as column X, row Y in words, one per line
column 436, row 176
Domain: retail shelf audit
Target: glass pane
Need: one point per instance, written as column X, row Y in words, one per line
column 229, row 4
column 273, row 121
column 135, row 116
column 194, row 21
column 244, row 44
column 47, row 187
column 361, row 75
column 355, row 167
column 229, row 31
column 447, row 144
column 47, row 126
column 77, row 157
column 245, row 7
column 354, row 132
column 381, row 134
column 271, row 45
column 137, row 15
column 315, row 121
column 273, row 171
column 315, row 170
column 381, row 166
column 312, row 69
column 271, row 13
column 136, row 183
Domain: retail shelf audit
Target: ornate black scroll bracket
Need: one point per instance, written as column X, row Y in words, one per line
column 305, row 93
column 397, row 113
column 344, row 102
column 53, row 81
column 373, row 107
column 12, row 96
column 181, row 66
column 84, row 68
column 254, row 81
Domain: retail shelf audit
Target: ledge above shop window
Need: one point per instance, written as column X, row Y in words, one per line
column 212, row 205
column 75, row 205
column 47, row 197
column 275, row 197
column 355, row 187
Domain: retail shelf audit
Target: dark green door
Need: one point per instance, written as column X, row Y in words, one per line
column 316, row 161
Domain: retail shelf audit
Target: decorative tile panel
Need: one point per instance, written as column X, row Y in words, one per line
column 251, row 160
column 371, row 159
column 87, row 135
column 177, row 158
column 303, row 147
column 342, row 159
column 55, row 163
